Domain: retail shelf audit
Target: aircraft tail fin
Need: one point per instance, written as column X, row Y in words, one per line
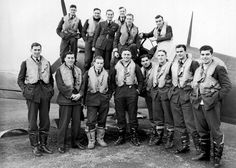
column 190, row 31
column 63, row 7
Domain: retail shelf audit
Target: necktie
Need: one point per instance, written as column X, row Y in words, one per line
column 109, row 23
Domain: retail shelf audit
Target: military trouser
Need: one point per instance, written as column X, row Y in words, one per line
column 88, row 53
column 106, row 54
column 97, row 115
column 162, row 115
column 148, row 100
column 208, row 122
column 126, row 99
column 182, row 110
column 44, row 122
column 66, row 113
column 184, row 121
column 68, row 45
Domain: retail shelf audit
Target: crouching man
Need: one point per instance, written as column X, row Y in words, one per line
column 36, row 82
column 211, row 84
column 127, row 81
column 97, row 101
column 70, row 86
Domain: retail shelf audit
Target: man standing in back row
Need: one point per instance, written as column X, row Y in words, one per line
column 163, row 36
column 88, row 35
column 104, row 37
column 69, row 29
column 127, row 37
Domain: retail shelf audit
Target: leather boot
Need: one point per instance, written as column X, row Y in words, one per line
column 91, row 138
column 184, row 144
column 156, row 136
column 100, row 136
column 170, row 139
column 43, row 143
column 153, row 136
column 205, row 147
column 121, row 138
column 134, row 137
column 196, row 142
column 160, row 132
column 218, row 151
column 35, row 144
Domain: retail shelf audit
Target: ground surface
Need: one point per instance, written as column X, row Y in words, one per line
column 15, row 151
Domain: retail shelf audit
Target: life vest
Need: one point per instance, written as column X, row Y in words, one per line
column 37, row 71
column 97, row 83
column 148, row 76
column 126, row 35
column 92, row 26
column 68, row 79
column 125, row 75
column 168, row 45
column 182, row 77
column 160, row 73
column 70, row 25
column 203, row 80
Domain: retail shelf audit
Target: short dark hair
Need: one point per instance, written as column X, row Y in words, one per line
column 96, row 9
column 181, row 46
column 130, row 14
column 121, row 8
column 125, row 49
column 98, row 57
column 206, row 47
column 109, row 10
column 72, row 6
column 164, row 51
column 144, row 56
column 36, row 44
column 69, row 53
column 158, row 16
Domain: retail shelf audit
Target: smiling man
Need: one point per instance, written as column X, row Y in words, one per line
column 71, row 89
column 104, row 37
column 127, row 82
column 211, row 84
column 69, row 29
column 127, row 37
column 182, row 71
column 36, row 82
column 97, row 90
column 163, row 36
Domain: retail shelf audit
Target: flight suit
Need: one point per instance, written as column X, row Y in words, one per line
column 103, row 41
column 207, row 96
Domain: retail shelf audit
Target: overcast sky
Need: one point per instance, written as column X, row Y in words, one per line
column 26, row 21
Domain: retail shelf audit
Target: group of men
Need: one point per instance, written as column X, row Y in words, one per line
column 183, row 96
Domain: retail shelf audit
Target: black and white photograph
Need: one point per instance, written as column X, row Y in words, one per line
column 117, row 84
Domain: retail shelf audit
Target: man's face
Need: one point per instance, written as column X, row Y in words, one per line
column 129, row 20
column 145, row 62
column 110, row 15
column 161, row 56
column 73, row 11
column 159, row 22
column 36, row 51
column 70, row 59
column 122, row 12
column 98, row 64
column 181, row 54
column 97, row 14
column 206, row 56
column 126, row 56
